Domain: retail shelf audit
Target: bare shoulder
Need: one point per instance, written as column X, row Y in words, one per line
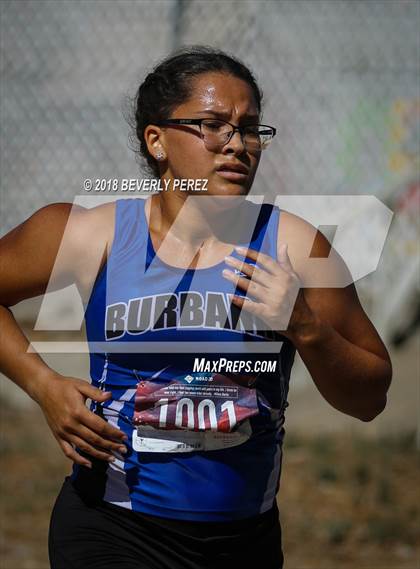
column 92, row 229
column 305, row 243
column 336, row 303
column 90, row 235
column 52, row 249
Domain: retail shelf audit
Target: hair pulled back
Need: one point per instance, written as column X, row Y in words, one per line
column 170, row 84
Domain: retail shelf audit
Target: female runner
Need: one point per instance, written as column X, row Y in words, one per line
column 177, row 462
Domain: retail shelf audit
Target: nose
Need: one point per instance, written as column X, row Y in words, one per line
column 235, row 144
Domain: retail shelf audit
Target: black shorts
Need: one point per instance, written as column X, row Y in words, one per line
column 99, row 535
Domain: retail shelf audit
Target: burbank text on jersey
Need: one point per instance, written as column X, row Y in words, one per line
column 180, row 310
column 205, row 432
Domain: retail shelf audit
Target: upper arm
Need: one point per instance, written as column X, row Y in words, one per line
column 338, row 305
column 48, row 251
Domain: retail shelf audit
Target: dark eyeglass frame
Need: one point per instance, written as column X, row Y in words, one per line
column 240, row 129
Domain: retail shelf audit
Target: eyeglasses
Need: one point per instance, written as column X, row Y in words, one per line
column 216, row 133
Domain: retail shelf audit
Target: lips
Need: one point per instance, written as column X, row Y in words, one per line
column 233, row 172
column 229, row 167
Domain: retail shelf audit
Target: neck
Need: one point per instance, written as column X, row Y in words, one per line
column 187, row 220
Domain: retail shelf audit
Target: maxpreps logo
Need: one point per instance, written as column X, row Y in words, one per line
column 198, row 378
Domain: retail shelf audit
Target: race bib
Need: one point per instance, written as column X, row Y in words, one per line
column 192, row 412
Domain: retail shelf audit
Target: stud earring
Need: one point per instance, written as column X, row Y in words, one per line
column 160, row 155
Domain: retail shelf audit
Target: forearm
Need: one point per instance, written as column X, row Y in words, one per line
column 27, row 369
column 351, row 379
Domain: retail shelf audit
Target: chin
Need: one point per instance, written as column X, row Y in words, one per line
column 229, row 189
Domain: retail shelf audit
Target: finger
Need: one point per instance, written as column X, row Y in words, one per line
column 255, row 273
column 100, row 426
column 264, row 260
column 249, row 305
column 93, row 392
column 91, row 450
column 283, row 258
column 97, row 441
column 255, row 289
column 70, row 453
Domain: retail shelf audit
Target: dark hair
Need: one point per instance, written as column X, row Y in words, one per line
column 169, row 85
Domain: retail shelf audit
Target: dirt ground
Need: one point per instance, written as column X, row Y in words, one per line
column 344, row 501
column 349, row 490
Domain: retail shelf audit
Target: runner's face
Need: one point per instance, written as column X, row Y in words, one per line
column 188, row 157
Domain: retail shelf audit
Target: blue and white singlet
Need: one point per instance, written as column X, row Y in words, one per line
column 205, row 442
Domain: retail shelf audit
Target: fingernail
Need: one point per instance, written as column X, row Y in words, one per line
column 229, row 259
column 227, row 273
column 125, row 438
column 111, row 459
column 88, row 465
column 240, row 249
column 123, row 450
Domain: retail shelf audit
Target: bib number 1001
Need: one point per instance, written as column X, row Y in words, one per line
column 205, row 407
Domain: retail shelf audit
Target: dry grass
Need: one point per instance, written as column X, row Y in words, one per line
column 350, row 503
column 344, row 502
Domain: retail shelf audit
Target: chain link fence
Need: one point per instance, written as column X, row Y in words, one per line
column 341, row 84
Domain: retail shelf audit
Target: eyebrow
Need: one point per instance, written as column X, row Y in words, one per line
column 226, row 115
